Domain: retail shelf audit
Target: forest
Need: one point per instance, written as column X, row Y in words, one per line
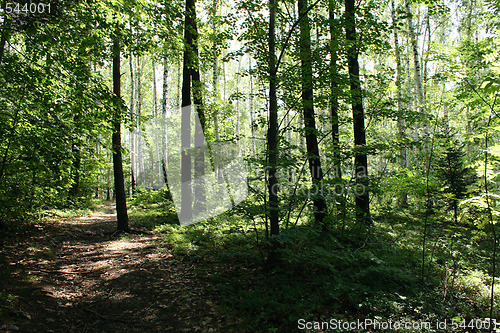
column 249, row 165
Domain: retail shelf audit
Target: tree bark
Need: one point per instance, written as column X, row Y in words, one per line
column 121, row 200
column 4, row 34
column 186, row 190
column 199, row 139
column 272, row 133
column 252, row 125
column 403, row 199
column 163, row 122
column 360, row 157
column 320, row 209
column 139, row 137
column 215, row 78
column 77, row 159
column 334, row 91
column 74, row 191
column 132, row 117
column 215, row 72
column 155, row 99
column 416, row 61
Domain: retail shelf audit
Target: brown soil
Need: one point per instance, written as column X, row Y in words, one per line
column 76, row 275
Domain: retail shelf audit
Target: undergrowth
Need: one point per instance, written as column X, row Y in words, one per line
column 322, row 277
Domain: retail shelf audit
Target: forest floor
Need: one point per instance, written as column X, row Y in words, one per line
column 75, row 275
column 70, row 272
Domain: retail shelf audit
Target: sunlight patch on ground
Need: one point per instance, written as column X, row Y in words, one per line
column 121, row 245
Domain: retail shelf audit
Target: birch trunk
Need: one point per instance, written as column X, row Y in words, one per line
column 401, row 122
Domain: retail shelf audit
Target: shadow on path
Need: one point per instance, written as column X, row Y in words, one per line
column 74, row 275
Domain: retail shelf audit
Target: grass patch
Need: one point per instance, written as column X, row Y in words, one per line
column 342, row 275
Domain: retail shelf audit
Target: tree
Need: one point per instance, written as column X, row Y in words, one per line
column 453, row 174
column 191, row 83
column 334, row 87
column 272, row 132
column 320, row 209
column 416, row 61
column 121, row 200
column 401, row 122
column 360, row 156
column 199, row 136
column 186, row 190
column 163, row 122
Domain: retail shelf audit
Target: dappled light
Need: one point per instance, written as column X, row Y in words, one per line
column 94, row 280
column 250, row 166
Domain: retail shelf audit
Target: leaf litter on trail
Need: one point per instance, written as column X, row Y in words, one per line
column 102, row 284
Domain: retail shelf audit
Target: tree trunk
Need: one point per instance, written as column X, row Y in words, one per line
column 272, row 133
column 121, row 200
column 215, row 78
column 199, row 138
column 416, row 62
column 75, row 187
column 139, row 137
column 132, row 117
column 403, row 199
column 156, row 167
column 360, row 157
column 74, row 191
column 163, row 122
column 4, row 34
column 155, row 99
column 179, row 79
column 320, row 209
column 186, row 190
column 238, row 115
column 252, row 125
column 334, row 91
column 215, row 71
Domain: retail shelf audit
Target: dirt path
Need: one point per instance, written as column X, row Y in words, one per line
column 74, row 275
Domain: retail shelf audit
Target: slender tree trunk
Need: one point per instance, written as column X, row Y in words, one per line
column 179, row 84
column 155, row 99
column 360, row 157
column 186, row 190
column 199, row 139
column 425, row 57
column 139, row 137
column 252, row 125
column 76, row 154
column 320, row 209
column 224, row 81
column 403, row 199
column 121, row 200
column 215, row 78
column 334, row 91
column 416, row 61
column 469, row 39
column 132, row 118
column 163, row 122
column 272, row 133
column 215, row 73
column 238, row 115
column 155, row 168
column 75, row 187
column 4, row 34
